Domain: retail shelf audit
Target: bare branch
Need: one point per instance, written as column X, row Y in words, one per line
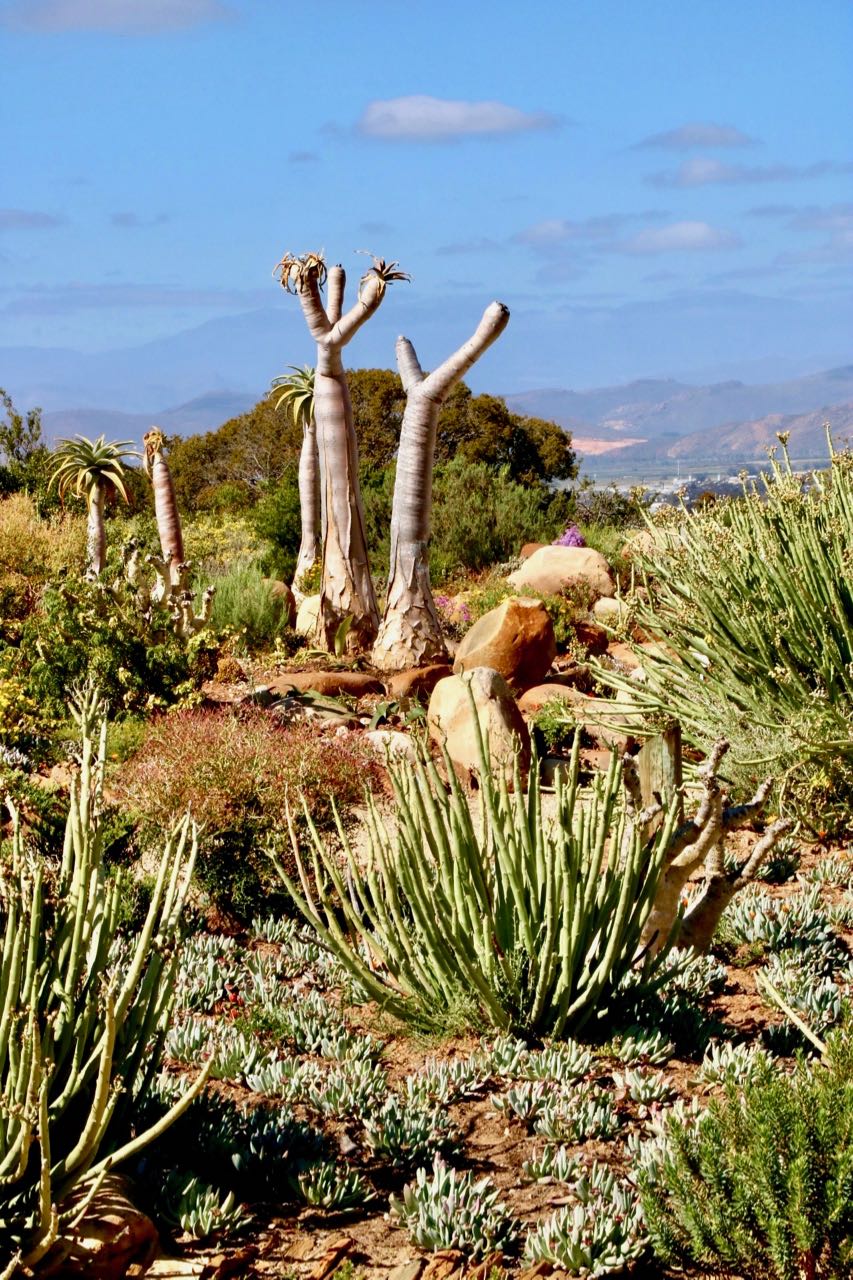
column 408, row 364
column 494, row 321
column 362, row 309
column 335, row 295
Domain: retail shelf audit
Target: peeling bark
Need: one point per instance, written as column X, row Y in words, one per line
column 347, row 587
column 96, row 538
column 411, row 633
column 309, row 506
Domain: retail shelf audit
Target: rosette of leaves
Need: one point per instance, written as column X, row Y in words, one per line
column 443, row 1209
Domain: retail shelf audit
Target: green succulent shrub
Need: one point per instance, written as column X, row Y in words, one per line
column 761, row 1184
column 753, row 603
column 233, row 772
column 524, row 925
column 84, row 1015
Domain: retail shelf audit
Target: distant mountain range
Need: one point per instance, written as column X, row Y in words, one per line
column 219, row 369
column 660, row 419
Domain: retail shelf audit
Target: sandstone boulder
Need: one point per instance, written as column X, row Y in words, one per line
column 550, row 569
column 609, row 610
column 281, row 591
column 417, row 682
column 307, row 615
column 452, row 723
column 329, row 683
column 392, row 744
column 533, row 700
column 516, row 639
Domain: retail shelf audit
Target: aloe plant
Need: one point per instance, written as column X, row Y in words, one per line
column 83, row 1021
column 518, row 923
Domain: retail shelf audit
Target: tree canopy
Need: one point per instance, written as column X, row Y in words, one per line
column 253, row 450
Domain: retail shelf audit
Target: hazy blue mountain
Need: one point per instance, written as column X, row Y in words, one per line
column 203, row 413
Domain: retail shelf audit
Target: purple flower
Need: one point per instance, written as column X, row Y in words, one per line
column 572, row 537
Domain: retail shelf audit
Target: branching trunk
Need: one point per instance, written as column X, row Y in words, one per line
column 96, row 538
column 701, row 843
column 347, row 588
column 411, row 633
column 309, row 505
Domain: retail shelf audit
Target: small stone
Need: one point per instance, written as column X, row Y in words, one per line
column 329, row 683
column 390, row 742
column 307, row 615
column 533, row 700
column 609, row 609
column 592, row 636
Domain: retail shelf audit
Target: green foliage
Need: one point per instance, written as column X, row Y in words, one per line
column 443, row 1209
column 762, row 1183
column 245, row 605
column 233, row 772
column 276, row 519
column 83, row 1018
column 526, row 925
column 88, row 630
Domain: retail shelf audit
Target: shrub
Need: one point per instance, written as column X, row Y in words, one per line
column 83, row 1017
column 276, row 519
column 762, row 1183
column 91, row 631
column 246, row 604
column 234, row 773
column 754, row 609
column 36, row 548
column 525, row 926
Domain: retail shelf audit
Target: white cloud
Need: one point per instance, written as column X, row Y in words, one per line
column 140, row 17
column 678, row 237
column 421, row 118
column 703, row 171
column 697, row 135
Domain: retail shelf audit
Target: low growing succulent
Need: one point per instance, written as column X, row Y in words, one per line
column 560, row 1063
column 200, row 1210
column 443, row 1209
column 643, row 1045
column 730, row 1062
column 326, row 1187
column 407, row 1134
column 553, row 1164
column 525, row 1101
column 644, row 1086
column 447, row 1082
column 597, row 1236
column 578, row 1114
column 355, row 1089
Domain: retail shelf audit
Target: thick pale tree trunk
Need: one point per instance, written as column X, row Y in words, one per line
column 347, row 588
column 165, row 503
column 309, row 506
column 96, row 538
column 411, row 634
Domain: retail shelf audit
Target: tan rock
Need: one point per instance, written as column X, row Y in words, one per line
column 610, row 610
column 550, row 569
column 533, row 700
column 451, row 721
column 515, row 639
column 307, row 614
column 529, row 547
column 592, row 636
column 624, row 655
column 392, row 743
column 330, row 683
column 418, row 682
column 645, row 542
column 613, row 721
column 281, row 591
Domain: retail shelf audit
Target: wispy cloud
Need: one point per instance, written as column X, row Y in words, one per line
column 124, row 17
column 461, row 248
column 552, row 232
column 129, row 221
column 67, row 299
column 678, row 237
column 421, row 118
column 703, row 171
column 689, row 137
column 28, row 220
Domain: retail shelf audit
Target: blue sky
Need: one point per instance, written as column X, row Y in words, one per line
column 653, row 188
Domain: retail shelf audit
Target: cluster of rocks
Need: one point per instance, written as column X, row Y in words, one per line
column 503, row 669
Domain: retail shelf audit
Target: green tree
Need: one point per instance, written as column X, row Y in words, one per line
column 87, row 468
column 20, row 434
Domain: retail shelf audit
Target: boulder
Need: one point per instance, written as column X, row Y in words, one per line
column 417, row 682
column 516, row 639
column 533, row 700
column 612, row 722
column 307, row 615
column 281, row 591
column 392, row 744
column 451, row 721
column 592, row 636
column 330, row 683
column 551, row 569
column 609, row 610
